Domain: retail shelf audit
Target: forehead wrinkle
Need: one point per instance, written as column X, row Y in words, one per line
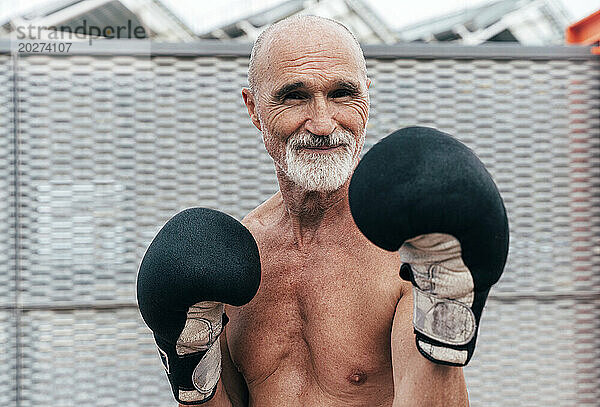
column 325, row 68
column 324, row 51
column 316, row 77
column 310, row 73
column 329, row 58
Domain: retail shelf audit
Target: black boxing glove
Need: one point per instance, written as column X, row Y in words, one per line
column 426, row 194
column 200, row 259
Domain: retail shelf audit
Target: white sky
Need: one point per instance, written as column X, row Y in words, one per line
column 397, row 13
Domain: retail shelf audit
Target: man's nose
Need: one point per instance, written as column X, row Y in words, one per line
column 320, row 121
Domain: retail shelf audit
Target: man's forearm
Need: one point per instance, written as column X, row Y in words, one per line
column 439, row 386
column 231, row 389
column 418, row 382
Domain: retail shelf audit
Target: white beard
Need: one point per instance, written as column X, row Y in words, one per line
column 321, row 172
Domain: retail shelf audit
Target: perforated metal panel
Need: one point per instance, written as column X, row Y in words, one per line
column 536, row 126
column 8, row 359
column 91, row 357
column 111, row 145
column 7, row 181
column 526, row 354
column 110, row 149
column 8, row 296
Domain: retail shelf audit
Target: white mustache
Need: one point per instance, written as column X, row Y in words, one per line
column 310, row 140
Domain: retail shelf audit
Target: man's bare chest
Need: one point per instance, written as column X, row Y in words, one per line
column 319, row 318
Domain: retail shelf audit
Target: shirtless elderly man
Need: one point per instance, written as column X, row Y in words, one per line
column 332, row 321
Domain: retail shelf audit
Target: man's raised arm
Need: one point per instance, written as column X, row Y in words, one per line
column 425, row 194
column 200, row 260
column 416, row 378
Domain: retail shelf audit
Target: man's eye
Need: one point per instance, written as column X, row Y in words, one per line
column 294, row 96
column 340, row 93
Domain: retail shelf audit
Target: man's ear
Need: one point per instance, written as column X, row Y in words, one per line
column 251, row 106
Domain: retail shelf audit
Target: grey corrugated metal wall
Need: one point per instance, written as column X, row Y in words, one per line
column 99, row 149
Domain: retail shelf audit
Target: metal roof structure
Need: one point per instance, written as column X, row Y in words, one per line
column 585, row 31
column 366, row 25
column 528, row 22
column 159, row 23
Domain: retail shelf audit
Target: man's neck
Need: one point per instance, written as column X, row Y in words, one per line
column 311, row 211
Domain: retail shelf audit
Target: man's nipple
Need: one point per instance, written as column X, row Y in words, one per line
column 357, row 378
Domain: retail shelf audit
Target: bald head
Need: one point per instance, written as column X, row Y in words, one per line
column 293, row 27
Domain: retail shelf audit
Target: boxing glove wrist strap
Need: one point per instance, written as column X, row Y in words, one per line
column 444, row 320
column 441, row 353
column 193, row 376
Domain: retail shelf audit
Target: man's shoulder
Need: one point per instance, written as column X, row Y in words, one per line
column 265, row 214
